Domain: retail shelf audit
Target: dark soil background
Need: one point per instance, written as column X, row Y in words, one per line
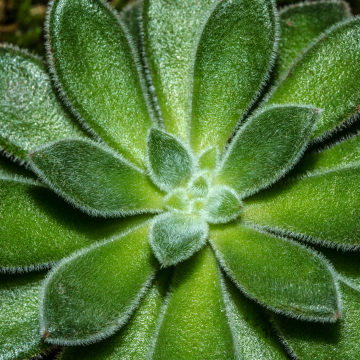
column 21, row 24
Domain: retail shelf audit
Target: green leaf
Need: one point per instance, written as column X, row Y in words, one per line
column 133, row 341
column 308, row 341
column 222, row 205
column 326, row 76
column 301, row 24
column 284, row 276
column 321, row 208
column 90, row 295
column 195, row 325
column 174, row 237
column 208, row 159
column 95, row 179
column 252, row 333
column 233, row 58
column 19, row 316
column 93, row 64
column 30, row 113
column 347, row 152
column 170, row 56
column 38, row 228
column 169, row 162
column 266, row 147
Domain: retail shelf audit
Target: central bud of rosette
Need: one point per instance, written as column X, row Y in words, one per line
column 191, row 201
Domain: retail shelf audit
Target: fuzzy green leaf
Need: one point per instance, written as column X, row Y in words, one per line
column 326, row 76
column 266, row 147
column 19, row 316
column 38, row 228
column 280, row 274
column 222, row 205
column 168, row 160
column 301, row 24
column 208, row 159
column 308, row 341
column 252, row 333
column 90, row 295
column 174, row 237
column 345, row 153
column 194, row 325
column 30, row 113
column 170, row 38
column 93, row 65
column 95, row 179
column 134, row 341
column 234, row 55
column 320, row 208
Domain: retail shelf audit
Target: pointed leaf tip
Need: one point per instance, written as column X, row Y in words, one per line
column 169, row 161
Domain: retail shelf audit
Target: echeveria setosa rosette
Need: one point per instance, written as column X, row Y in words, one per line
column 171, row 187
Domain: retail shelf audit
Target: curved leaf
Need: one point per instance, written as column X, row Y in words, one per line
column 310, row 341
column 234, row 55
column 30, row 113
column 93, row 64
column 95, row 179
column 175, row 237
column 134, row 341
column 280, row 274
column 194, row 323
column 300, row 24
column 170, row 56
column 90, row 295
column 19, row 308
column 320, row 208
column 38, row 228
column 266, row 147
column 326, row 77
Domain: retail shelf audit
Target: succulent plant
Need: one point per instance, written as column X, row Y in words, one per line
column 188, row 173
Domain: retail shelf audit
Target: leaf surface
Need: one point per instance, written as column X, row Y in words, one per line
column 38, row 228
column 174, row 237
column 302, row 23
column 170, row 164
column 134, row 341
column 93, row 63
column 95, row 179
column 194, row 324
column 30, row 113
column 326, row 77
column 90, row 295
column 320, row 208
column 265, row 148
column 233, row 57
column 19, row 316
column 278, row 273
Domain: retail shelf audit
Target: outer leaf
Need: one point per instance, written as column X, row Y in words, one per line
column 30, row 113
column 280, row 274
column 95, row 179
column 326, row 77
column 38, row 228
column 194, row 325
column 310, row 341
column 320, row 208
column 233, row 58
column 169, row 161
column 266, row 147
column 89, row 296
column 301, row 24
column 174, row 237
column 19, row 331
column 342, row 154
column 170, row 56
column 93, row 65
column 252, row 333
column 135, row 339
